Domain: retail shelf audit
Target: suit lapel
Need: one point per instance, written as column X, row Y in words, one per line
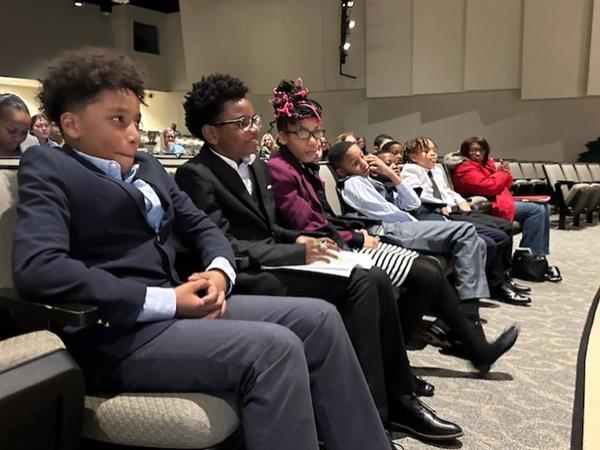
column 230, row 178
column 132, row 191
column 264, row 189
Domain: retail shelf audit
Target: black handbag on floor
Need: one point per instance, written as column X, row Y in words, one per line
column 530, row 267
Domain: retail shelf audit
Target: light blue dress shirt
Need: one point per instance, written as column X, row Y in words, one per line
column 160, row 303
column 360, row 193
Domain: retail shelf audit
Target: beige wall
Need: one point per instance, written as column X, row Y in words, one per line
column 35, row 31
column 546, row 48
column 262, row 41
column 529, row 130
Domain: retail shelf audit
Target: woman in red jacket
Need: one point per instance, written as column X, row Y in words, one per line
column 477, row 175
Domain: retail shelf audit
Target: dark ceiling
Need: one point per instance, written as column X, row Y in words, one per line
column 164, row 6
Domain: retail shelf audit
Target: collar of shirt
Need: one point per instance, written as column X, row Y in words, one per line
column 110, row 168
column 243, row 169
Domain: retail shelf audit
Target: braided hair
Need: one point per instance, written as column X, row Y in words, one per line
column 291, row 104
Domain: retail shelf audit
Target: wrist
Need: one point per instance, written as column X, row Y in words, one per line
column 220, row 279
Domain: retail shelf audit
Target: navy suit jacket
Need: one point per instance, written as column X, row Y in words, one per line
column 82, row 236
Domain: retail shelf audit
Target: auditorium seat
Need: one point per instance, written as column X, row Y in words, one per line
column 331, row 193
column 539, row 185
column 570, row 197
column 595, row 171
column 120, row 420
column 572, row 173
column 41, row 394
column 521, row 185
column 585, row 176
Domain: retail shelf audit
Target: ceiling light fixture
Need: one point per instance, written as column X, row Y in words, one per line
column 346, row 26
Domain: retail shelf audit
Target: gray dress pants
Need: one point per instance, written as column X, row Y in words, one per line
column 290, row 360
column 458, row 239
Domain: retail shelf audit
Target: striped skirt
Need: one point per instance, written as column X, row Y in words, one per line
column 394, row 260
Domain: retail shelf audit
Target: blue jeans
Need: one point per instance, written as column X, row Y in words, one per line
column 535, row 220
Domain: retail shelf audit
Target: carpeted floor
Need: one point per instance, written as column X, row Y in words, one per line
column 526, row 400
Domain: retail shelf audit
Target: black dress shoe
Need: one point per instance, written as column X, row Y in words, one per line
column 498, row 348
column 520, row 288
column 423, row 388
column 410, row 415
column 505, row 293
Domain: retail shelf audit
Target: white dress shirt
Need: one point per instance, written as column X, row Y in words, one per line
column 416, row 176
column 243, row 170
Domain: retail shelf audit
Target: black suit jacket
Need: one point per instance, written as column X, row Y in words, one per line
column 248, row 222
column 82, row 236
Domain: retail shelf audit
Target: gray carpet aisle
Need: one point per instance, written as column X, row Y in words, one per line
column 526, row 400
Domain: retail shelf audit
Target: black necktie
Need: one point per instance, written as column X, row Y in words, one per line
column 436, row 191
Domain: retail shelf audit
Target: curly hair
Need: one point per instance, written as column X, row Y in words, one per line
column 76, row 77
column 204, row 103
column 415, row 145
column 290, row 104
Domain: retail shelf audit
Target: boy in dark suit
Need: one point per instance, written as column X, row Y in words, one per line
column 233, row 187
column 97, row 223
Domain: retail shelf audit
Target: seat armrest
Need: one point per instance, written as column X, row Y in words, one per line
column 558, row 184
column 74, row 314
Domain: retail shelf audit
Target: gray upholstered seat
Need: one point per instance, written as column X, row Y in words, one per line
column 158, row 420
column 570, row 196
column 330, row 188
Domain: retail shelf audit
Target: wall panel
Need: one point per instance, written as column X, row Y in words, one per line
column 493, row 44
column 389, row 48
column 556, row 42
column 593, row 86
column 438, row 46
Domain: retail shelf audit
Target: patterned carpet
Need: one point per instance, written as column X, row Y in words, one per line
column 526, row 401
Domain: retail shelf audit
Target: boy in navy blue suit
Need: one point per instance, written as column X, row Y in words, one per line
column 96, row 224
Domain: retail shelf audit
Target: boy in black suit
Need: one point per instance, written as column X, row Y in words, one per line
column 96, row 224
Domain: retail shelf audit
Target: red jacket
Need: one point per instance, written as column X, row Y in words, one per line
column 473, row 178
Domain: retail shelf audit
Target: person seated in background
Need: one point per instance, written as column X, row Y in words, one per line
column 360, row 140
column 324, row 148
column 474, row 173
column 56, row 135
column 347, row 136
column 267, row 146
column 40, row 128
column 167, row 145
column 14, row 124
column 389, row 160
column 281, row 356
column 374, row 200
column 379, row 140
column 440, row 202
column 301, row 204
column 393, row 147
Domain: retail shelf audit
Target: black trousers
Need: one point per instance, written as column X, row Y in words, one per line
column 367, row 304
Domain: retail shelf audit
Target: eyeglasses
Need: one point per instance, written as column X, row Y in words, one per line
column 306, row 134
column 475, row 150
column 244, row 123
